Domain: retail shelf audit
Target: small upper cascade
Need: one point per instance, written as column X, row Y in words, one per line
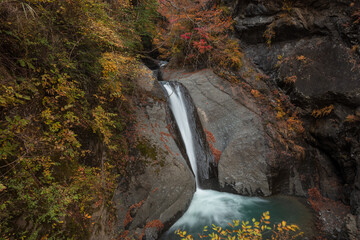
column 178, row 108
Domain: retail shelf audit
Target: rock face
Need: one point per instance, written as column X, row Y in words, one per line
column 236, row 128
column 310, row 49
column 164, row 188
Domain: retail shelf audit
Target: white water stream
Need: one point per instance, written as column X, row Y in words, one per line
column 219, row 208
column 178, row 108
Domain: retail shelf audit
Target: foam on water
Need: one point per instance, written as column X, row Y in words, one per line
column 215, row 207
column 212, row 207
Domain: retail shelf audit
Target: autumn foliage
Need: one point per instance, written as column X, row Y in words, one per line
column 247, row 230
column 318, row 113
column 66, row 84
column 211, row 140
column 196, row 34
column 152, row 224
column 128, row 218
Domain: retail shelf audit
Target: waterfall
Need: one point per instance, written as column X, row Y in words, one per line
column 209, row 206
column 190, row 135
column 178, row 108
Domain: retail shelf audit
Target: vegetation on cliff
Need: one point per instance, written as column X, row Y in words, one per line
column 196, row 34
column 66, row 72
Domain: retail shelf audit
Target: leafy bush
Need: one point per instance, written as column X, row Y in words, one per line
column 254, row 230
column 196, row 35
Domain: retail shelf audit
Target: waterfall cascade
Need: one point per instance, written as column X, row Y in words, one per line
column 178, row 108
column 190, row 135
column 219, row 208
